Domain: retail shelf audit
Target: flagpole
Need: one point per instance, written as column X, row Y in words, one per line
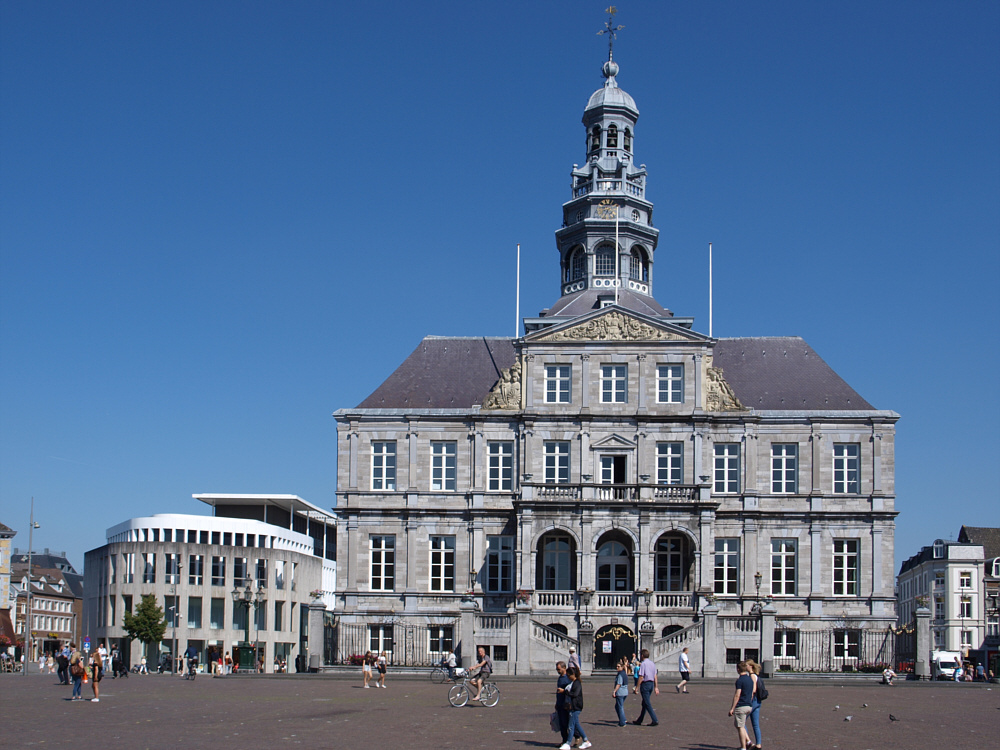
column 517, row 304
column 618, row 281
column 710, row 290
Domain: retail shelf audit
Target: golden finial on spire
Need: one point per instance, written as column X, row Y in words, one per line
column 610, row 29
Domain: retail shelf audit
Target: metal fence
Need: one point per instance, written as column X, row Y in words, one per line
column 405, row 645
column 843, row 650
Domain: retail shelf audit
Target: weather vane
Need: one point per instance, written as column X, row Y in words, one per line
column 610, row 29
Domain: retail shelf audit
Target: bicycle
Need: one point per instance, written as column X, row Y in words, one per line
column 460, row 694
column 441, row 675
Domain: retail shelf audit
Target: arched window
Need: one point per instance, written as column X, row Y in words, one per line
column 614, row 564
column 670, row 630
column 555, row 568
column 612, row 136
column 604, row 261
column 628, row 140
column 558, row 627
column 595, row 138
column 577, row 264
column 673, row 563
column 638, row 270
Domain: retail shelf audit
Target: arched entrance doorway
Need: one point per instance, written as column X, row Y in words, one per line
column 611, row 643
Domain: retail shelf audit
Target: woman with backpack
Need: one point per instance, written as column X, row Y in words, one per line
column 759, row 692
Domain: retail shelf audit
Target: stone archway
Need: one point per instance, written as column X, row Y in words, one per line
column 611, row 643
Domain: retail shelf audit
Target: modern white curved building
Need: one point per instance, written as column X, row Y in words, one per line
column 243, row 580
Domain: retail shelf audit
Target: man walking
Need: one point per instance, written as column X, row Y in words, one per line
column 684, row 667
column 648, row 685
column 63, row 660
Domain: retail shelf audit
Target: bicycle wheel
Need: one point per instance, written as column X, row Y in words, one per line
column 491, row 694
column 458, row 695
column 439, row 675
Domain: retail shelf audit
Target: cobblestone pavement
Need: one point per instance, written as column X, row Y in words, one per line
column 162, row 711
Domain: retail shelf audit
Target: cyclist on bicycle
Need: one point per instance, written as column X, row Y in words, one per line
column 451, row 663
column 481, row 671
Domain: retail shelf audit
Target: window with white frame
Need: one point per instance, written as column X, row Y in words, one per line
column 501, row 465
column 783, row 567
column 966, row 639
column 499, row 564
column 613, row 384
column 965, row 609
column 939, row 579
column 382, row 557
column 380, row 639
column 784, row 468
column 670, row 384
column 669, row 463
column 727, row 566
column 846, row 644
column 786, row 643
column 172, row 568
column 845, row 567
column 442, row 563
column 995, row 568
column 965, row 579
column 440, row 640
column 384, row 465
column 992, row 626
column 938, row 607
column 727, row 468
column 557, row 384
column 847, row 468
column 196, row 570
column 556, row 462
column 444, row 457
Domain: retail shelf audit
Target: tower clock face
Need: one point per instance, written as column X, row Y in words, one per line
column 607, row 209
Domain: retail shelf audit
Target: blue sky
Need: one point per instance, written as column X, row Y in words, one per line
column 220, row 222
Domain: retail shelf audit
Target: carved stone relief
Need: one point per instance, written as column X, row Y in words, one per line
column 615, row 327
column 719, row 395
column 506, row 394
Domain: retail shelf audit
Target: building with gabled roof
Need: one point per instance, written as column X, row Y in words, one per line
column 614, row 478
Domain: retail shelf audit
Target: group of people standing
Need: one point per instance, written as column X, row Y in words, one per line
column 80, row 665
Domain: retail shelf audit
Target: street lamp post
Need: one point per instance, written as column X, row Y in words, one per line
column 248, row 597
column 27, row 602
column 586, row 594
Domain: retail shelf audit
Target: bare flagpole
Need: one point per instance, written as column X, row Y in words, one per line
column 618, row 281
column 710, row 290
column 517, row 304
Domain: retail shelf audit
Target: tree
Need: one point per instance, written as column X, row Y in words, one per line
column 147, row 624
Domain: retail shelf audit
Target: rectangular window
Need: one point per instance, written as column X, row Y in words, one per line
column 149, row 567
column 499, row 564
column 171, row 613
column 260, row 616
column 279, row 612
column 783, row 567
column 727, row 468
column 939, row 608
column 992, row 626
column 939, row 579
column 443, row 462
column 786, row 643
column 382, row 555
column 965, row 579
column 196, row 570
column 557, row 384
column 279, row 575
column 380, row 639
column 240, row 574
column 670, row 384
column 194, row 612
column 442, row 563
column 261, row 573
column 384, row 465
column 128, row 567
column 847, row 468
column 727, row 566
column 218, row 614
column 846, row 644
column 669, row 463
column 784, row 468
column 218, row 570
column 501, row 467
column 440, row 640
column 965, row 609
column 172, row 569
column 556, row 462
column 845, row 567
column 613, row 384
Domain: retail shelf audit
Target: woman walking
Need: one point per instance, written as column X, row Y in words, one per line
column 574, row 698
column 742, row 704
column 366, row 668
column 382, row 665
column 76, row 670
column 621, row 690
column 754, row 669
column 96, row 673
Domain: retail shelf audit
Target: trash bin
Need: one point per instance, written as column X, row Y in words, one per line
column 313, row 663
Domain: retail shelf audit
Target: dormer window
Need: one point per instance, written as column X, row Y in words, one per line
column 938, row 549
column 595, row 138
column 612, row 136
column 628, row 140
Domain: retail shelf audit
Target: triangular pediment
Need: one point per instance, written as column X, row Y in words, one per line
column 613, row 441
column 612, row 323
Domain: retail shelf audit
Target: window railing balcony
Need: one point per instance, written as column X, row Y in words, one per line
column 615, row 602
column 614, row 493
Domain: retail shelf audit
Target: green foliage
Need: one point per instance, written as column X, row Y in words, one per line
column 147, row 624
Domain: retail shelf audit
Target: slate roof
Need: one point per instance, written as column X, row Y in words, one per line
column 984, row 535
column 776, row 373
column 583, row 302
column 6, row 530
column 779, row 373
column 444, row 373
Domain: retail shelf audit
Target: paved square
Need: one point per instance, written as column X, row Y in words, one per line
column 161, row 711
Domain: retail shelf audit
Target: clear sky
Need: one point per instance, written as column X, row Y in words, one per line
column 221, row 221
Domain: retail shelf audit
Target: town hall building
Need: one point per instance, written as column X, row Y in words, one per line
column 614, row 479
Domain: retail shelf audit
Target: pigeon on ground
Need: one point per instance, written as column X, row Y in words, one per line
column 848, row 718
column 864, row 705
column 836, row 707
column 892, row 718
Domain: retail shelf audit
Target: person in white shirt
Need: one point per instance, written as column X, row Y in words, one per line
column 684, row 666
